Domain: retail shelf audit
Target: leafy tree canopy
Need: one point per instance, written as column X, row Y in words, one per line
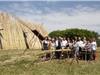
column 71, row 33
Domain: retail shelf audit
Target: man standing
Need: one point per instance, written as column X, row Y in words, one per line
column 58, row 46
column 94, row 47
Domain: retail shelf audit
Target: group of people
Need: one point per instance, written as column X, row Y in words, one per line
column 77, row 46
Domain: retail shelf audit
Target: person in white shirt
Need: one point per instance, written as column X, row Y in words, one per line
column 88, row 50
column 93, row 47
column 53, row 45
column 79, row 47
column 80, row 44
column 56, row 42
column 76, row 49
column 64, row 43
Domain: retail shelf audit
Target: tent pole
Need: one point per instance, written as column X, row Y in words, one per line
column 29, row 42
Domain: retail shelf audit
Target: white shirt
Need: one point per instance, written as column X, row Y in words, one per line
column 64, row 43
column 80, row 43
column 83, row 45
column 94, row 45
column 56, row 43
column 76, row 46
column 53, row 44
column 46, row 42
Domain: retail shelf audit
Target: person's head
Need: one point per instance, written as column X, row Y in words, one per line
column 68, row 38
column 79, row 38
column 93, row 39
column 60, row 38
column 56, row 38
column 88, row 41
column 49, row 38
column 84, row 38
column 75, row 38
column 46, row 38
column 84, row 41
column 64, row 38
column 52, row 39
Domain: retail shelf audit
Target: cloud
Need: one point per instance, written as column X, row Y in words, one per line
column 55, row 18
column 85, row 19
column 62, row 20
column 81, row 20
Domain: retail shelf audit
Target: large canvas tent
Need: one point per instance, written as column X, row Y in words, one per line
column 18, row 34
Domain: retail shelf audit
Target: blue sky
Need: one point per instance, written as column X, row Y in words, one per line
column 56, row 15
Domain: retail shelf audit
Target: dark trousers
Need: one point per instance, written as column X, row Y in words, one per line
column 93, row 55
column 88, row 55
column 58, row 53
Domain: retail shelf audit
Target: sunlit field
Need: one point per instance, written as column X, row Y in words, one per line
column 15, row 62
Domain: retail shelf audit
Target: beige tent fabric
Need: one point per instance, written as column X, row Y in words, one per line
column 31, row 39
column 17, row 34
column 35, row 26
column 12, row 35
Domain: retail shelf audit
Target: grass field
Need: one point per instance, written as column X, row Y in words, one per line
column 14, row 62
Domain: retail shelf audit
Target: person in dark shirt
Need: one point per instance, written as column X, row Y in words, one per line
column 45, row 43
column 58, row 46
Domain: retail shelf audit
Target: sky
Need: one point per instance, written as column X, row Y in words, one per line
column 57, row 15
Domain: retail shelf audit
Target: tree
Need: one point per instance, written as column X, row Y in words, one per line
column 71, row 33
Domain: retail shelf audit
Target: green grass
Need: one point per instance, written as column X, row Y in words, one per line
column 49, row 68
column 4, row 57
column 27, row 64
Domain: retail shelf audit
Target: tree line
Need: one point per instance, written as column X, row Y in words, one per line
column 71, row 33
